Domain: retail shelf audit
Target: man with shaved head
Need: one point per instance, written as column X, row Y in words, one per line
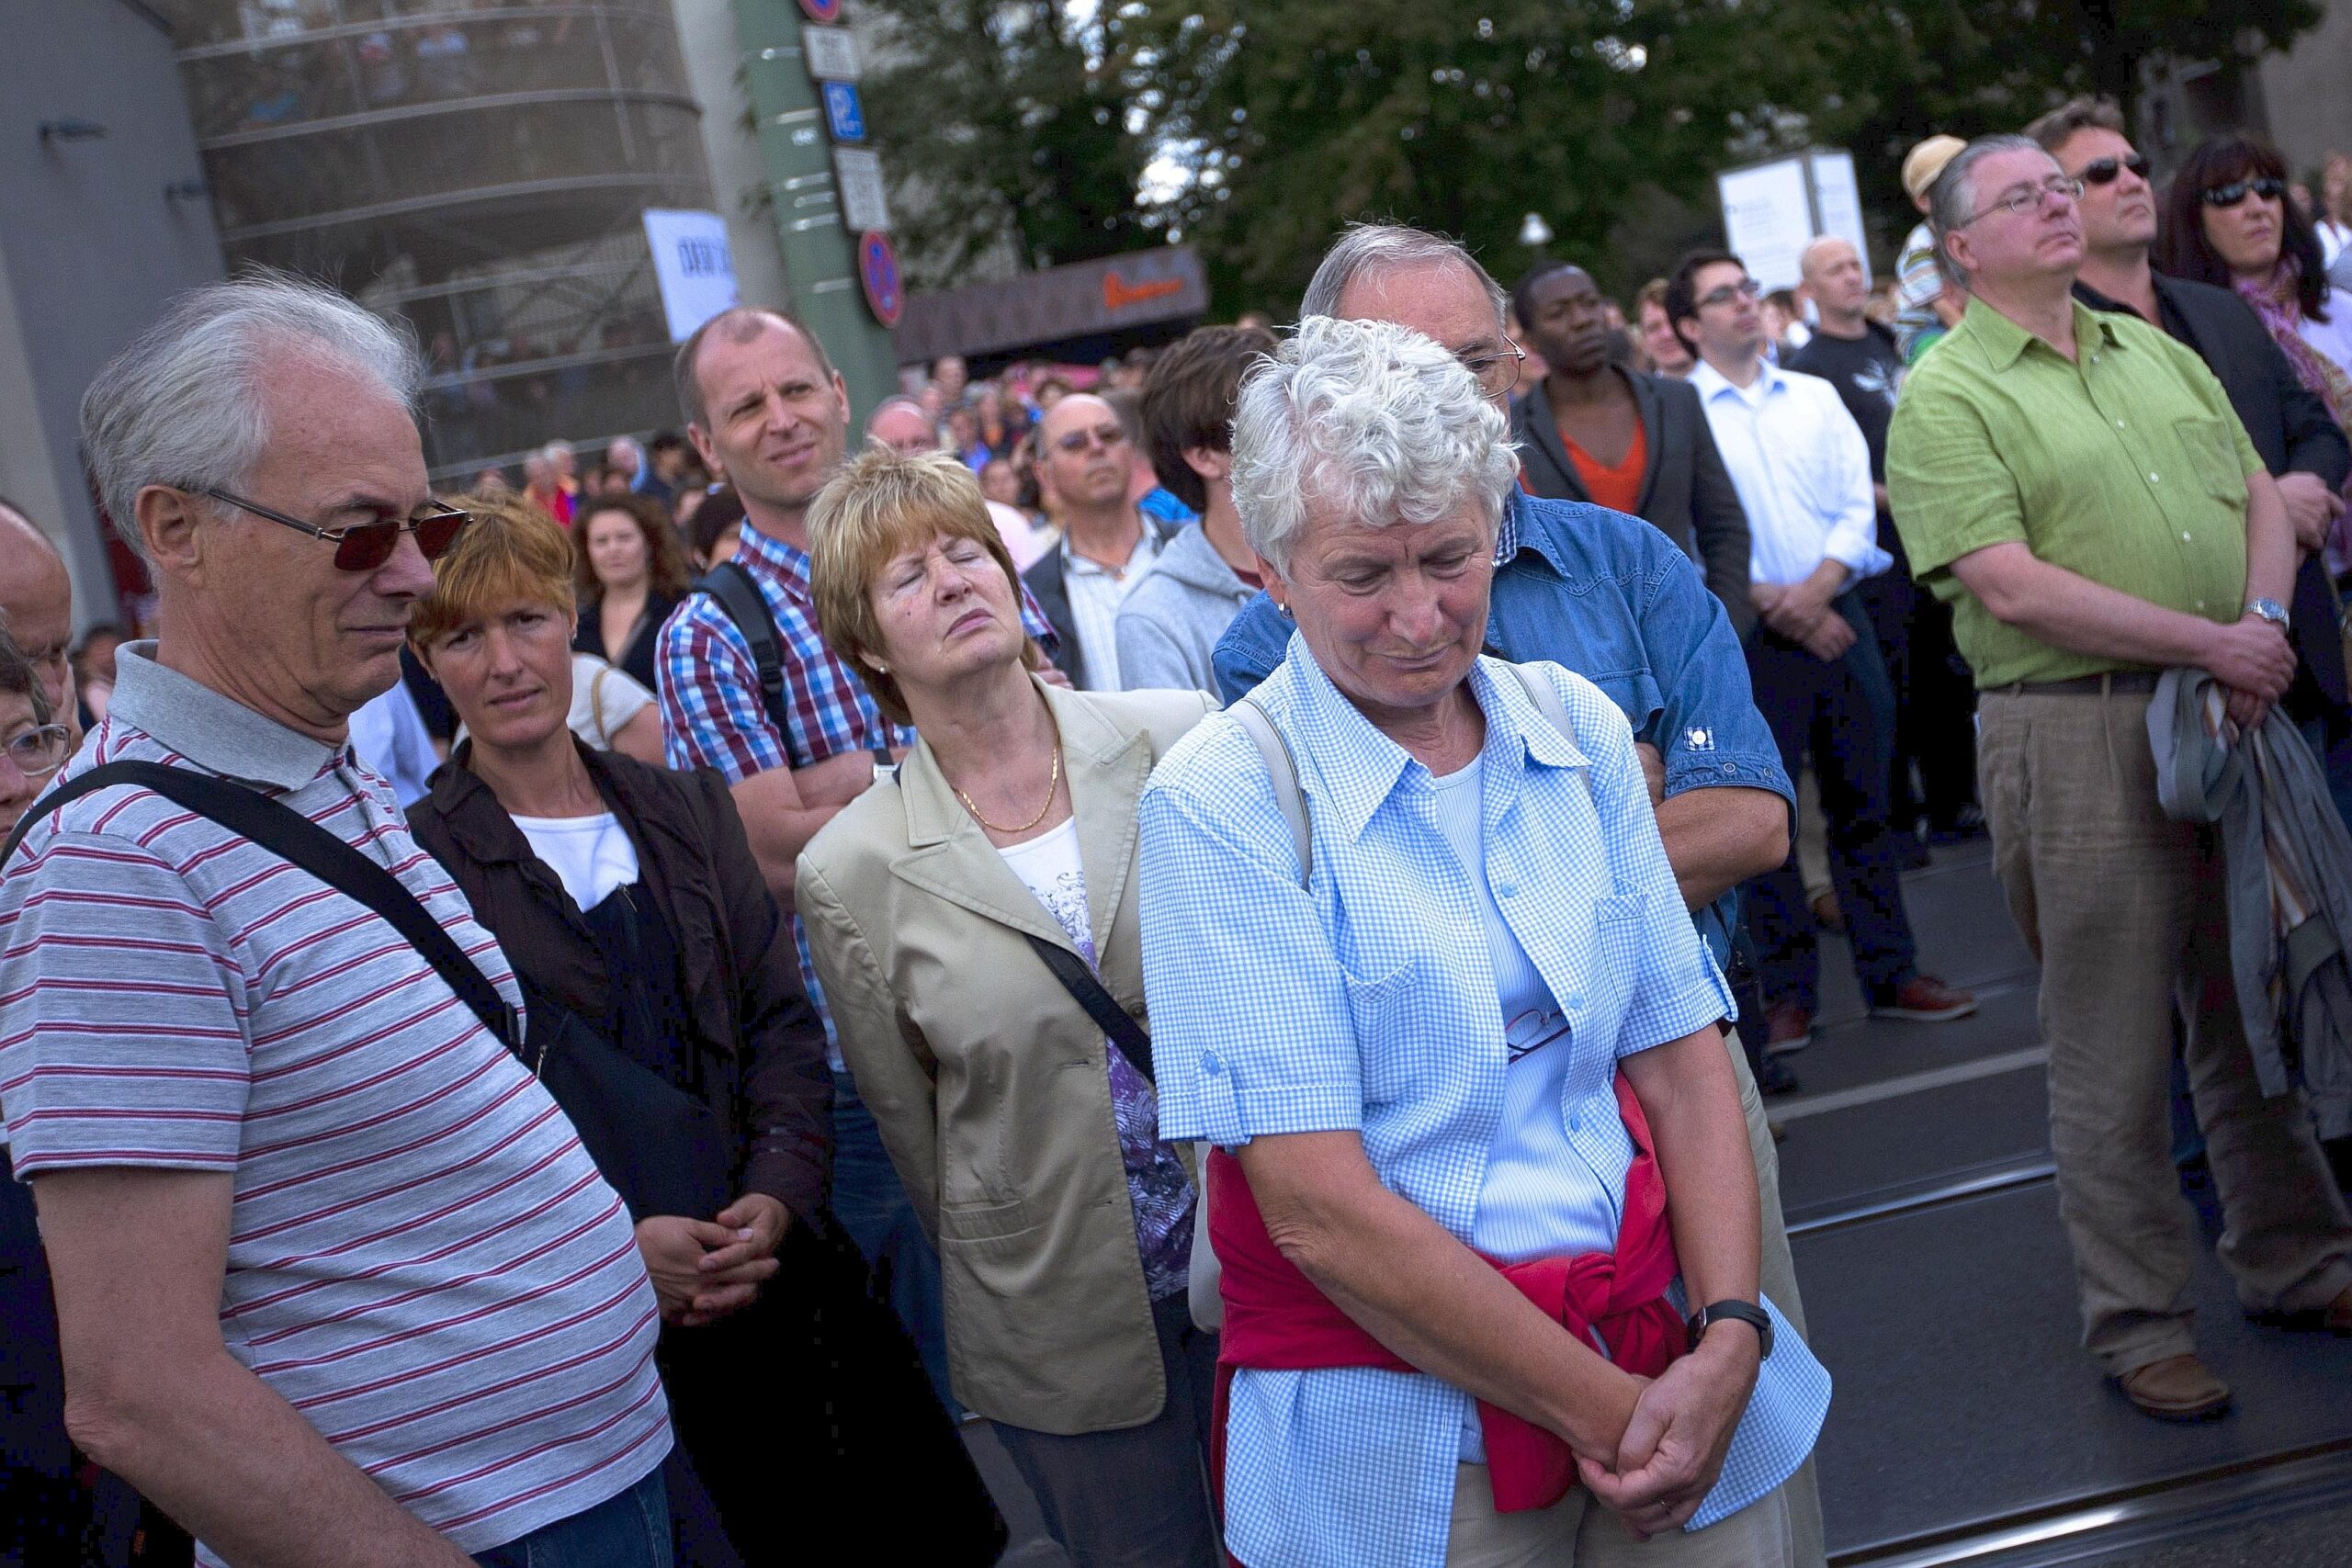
column 37, row 597
column 1086, row 460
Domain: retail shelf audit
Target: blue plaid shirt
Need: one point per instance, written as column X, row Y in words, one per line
column 1372, row 1008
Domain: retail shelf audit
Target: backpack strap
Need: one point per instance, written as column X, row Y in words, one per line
column 731, row 584
column 301, row 842
column 1283, row 768
column 1546, row 700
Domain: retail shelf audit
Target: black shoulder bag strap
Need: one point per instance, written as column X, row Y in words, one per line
column 1100, row 1005
column 301, row 842
column 731, row 585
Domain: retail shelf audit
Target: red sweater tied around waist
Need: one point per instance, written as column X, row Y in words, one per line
column 1277, row 1320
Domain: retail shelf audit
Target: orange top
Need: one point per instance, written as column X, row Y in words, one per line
column 1618, row 488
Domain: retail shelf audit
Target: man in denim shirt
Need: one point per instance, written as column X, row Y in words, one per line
column 1614, row 599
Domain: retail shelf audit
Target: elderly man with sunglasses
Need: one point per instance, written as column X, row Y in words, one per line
column 2078, row 486
column 334, row 1280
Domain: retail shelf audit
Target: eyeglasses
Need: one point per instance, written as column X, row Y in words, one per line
column 2237, row 191
column 1106, row 435
column 2102, row 171
column 1745, row 288
column 364, row 547
column 1496, row 372
column 2029, row 198
column 39, row 752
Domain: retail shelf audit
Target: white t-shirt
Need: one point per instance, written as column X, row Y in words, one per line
column 1050, row 867
column 589, row 856
column 603, row 698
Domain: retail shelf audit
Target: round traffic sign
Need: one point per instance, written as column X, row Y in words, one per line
column 877, row 269
column 822, row 10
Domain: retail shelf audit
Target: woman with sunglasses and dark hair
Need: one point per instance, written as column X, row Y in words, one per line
column 2227, row 222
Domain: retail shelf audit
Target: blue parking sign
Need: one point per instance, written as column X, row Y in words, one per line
column 844, row 113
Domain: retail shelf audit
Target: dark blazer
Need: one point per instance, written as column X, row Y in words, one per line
column 739, row 972
column 637, row 659
column 2290, row 427
column 1049, row 584
column 1687, row 494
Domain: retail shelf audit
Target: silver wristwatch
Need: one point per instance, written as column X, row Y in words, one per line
column 2269, row 610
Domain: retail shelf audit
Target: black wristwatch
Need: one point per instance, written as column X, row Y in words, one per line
column 1742, row 1312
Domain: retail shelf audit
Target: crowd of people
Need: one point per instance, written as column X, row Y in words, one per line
column 1232, row 923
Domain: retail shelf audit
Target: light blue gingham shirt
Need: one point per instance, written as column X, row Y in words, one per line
column 1368, row 1003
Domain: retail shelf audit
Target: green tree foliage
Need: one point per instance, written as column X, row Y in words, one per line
column 1008, row 133
column 1267, row 124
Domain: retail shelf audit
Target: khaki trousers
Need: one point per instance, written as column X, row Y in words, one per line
column 1777, row 1275
column 2126, row 911
column 1577, row 1532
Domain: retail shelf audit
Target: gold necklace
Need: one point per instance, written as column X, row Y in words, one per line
column 1053, row 786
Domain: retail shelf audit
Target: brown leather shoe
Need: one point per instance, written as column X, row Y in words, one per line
column 1923, row 998
column 2178, row 1388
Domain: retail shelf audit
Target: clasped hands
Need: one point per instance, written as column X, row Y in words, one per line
column 1674, row 1441
column 1801, row 612
column 704, row 1269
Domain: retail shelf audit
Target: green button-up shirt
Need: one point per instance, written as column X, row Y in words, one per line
column 2126, row 465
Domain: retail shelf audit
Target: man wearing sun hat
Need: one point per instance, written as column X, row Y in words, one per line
column 1930, row 303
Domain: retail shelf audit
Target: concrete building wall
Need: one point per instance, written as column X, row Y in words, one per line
column 91, row 245
column 738, row 174
column 2307, row 91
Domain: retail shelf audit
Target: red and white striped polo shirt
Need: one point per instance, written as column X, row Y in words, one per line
column 421, row 1260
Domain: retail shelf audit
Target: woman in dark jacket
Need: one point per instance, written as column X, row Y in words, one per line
column 668, row 1018
column 629, row 569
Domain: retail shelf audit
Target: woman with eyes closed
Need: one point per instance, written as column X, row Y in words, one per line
column 957, row 914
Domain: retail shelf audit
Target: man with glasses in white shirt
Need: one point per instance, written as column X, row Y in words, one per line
column 1086, row 461
column 1802, row 471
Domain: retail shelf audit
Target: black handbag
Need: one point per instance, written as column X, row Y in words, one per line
column 661, row 1148
column 658, row 1146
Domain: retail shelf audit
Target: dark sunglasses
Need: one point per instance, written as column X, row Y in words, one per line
column 367, row 546
column 2237, row 191
column 1106, row 437
column 2102, row 171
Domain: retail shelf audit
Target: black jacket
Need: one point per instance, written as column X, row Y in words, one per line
column 739, row 972
column 1049, row 584
column 2290, row 429
column 637, row 659
column 1687, row 493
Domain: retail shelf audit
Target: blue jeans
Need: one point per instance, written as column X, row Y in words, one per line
column 872, row 1206
column 629, row 1530
column 1843, row 713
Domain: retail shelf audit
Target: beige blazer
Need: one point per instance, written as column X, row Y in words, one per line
column 989, row 1082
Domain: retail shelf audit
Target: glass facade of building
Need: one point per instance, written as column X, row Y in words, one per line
column 476, row 168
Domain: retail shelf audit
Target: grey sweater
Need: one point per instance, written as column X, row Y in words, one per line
column 1170, row 621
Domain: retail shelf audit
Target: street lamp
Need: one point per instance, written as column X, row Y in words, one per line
column 1534, row 233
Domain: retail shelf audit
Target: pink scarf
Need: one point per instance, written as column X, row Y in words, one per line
column 2280, row 304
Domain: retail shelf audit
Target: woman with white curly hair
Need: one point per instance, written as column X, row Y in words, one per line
column 1417, row 968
